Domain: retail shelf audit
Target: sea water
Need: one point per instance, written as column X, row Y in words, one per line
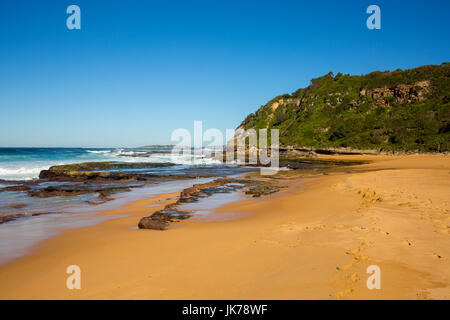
column 58, row 213
column 27, row 163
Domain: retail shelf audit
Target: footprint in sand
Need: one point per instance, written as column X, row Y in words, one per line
column 343, row 268
column 365, row 244
column 369, row 196
column 437, row 256
column 357, row 228
column 343, row 293
column 354, row 251
column 361, row 258
column 405, row 204
column 316, row 227
column 407, row 243
column 378, row 230
column 354, row 277
column 295, row 227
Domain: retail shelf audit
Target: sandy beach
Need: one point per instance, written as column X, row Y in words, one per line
column 312, row 240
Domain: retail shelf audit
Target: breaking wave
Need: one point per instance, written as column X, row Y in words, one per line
column 18, row 167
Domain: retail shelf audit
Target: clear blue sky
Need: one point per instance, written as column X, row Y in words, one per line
column 139, row 69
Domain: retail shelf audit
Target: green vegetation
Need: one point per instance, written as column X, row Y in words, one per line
column 388, row 111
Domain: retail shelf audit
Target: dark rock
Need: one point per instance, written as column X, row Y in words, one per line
column 160, row 219
column 155, row 224
column 19, row 205
column 98, row 171
column 263, row 190
column 16, row 188
column 77, row 189
column 12, row 217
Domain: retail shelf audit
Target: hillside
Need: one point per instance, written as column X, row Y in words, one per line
column 402, row 110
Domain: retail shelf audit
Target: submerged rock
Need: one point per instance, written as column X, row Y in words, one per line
column 12, row 217
column 16, row 188
column 75, row 190
column 160, row 220
column 221, row 185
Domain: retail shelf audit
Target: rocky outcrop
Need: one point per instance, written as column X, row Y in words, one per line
column 98, row 171
column 402, row 93
column 286, row 102
column 92, row 178
column 160, row 220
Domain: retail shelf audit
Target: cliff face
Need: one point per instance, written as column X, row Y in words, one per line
column 402, row 93
column 401, row 110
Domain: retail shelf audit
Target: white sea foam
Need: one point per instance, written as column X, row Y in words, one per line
column 27, row 170
column 99, row 151
column 122, row 152
column 180, row 158
column 22, row 173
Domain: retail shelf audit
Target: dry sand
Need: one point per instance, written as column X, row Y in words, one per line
column 314, row 240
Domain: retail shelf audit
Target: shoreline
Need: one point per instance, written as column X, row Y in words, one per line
column 313, row 240
column 41, row 227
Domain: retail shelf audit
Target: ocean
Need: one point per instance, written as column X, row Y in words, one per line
column 26, row 219
column 27, row 163
column 21, row 166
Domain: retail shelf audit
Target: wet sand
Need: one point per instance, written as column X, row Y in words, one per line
column 19, row 236
column 313, row 240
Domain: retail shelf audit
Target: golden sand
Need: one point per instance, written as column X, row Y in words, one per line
column 314, row 240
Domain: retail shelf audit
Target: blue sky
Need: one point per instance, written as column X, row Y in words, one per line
column 137, row 70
